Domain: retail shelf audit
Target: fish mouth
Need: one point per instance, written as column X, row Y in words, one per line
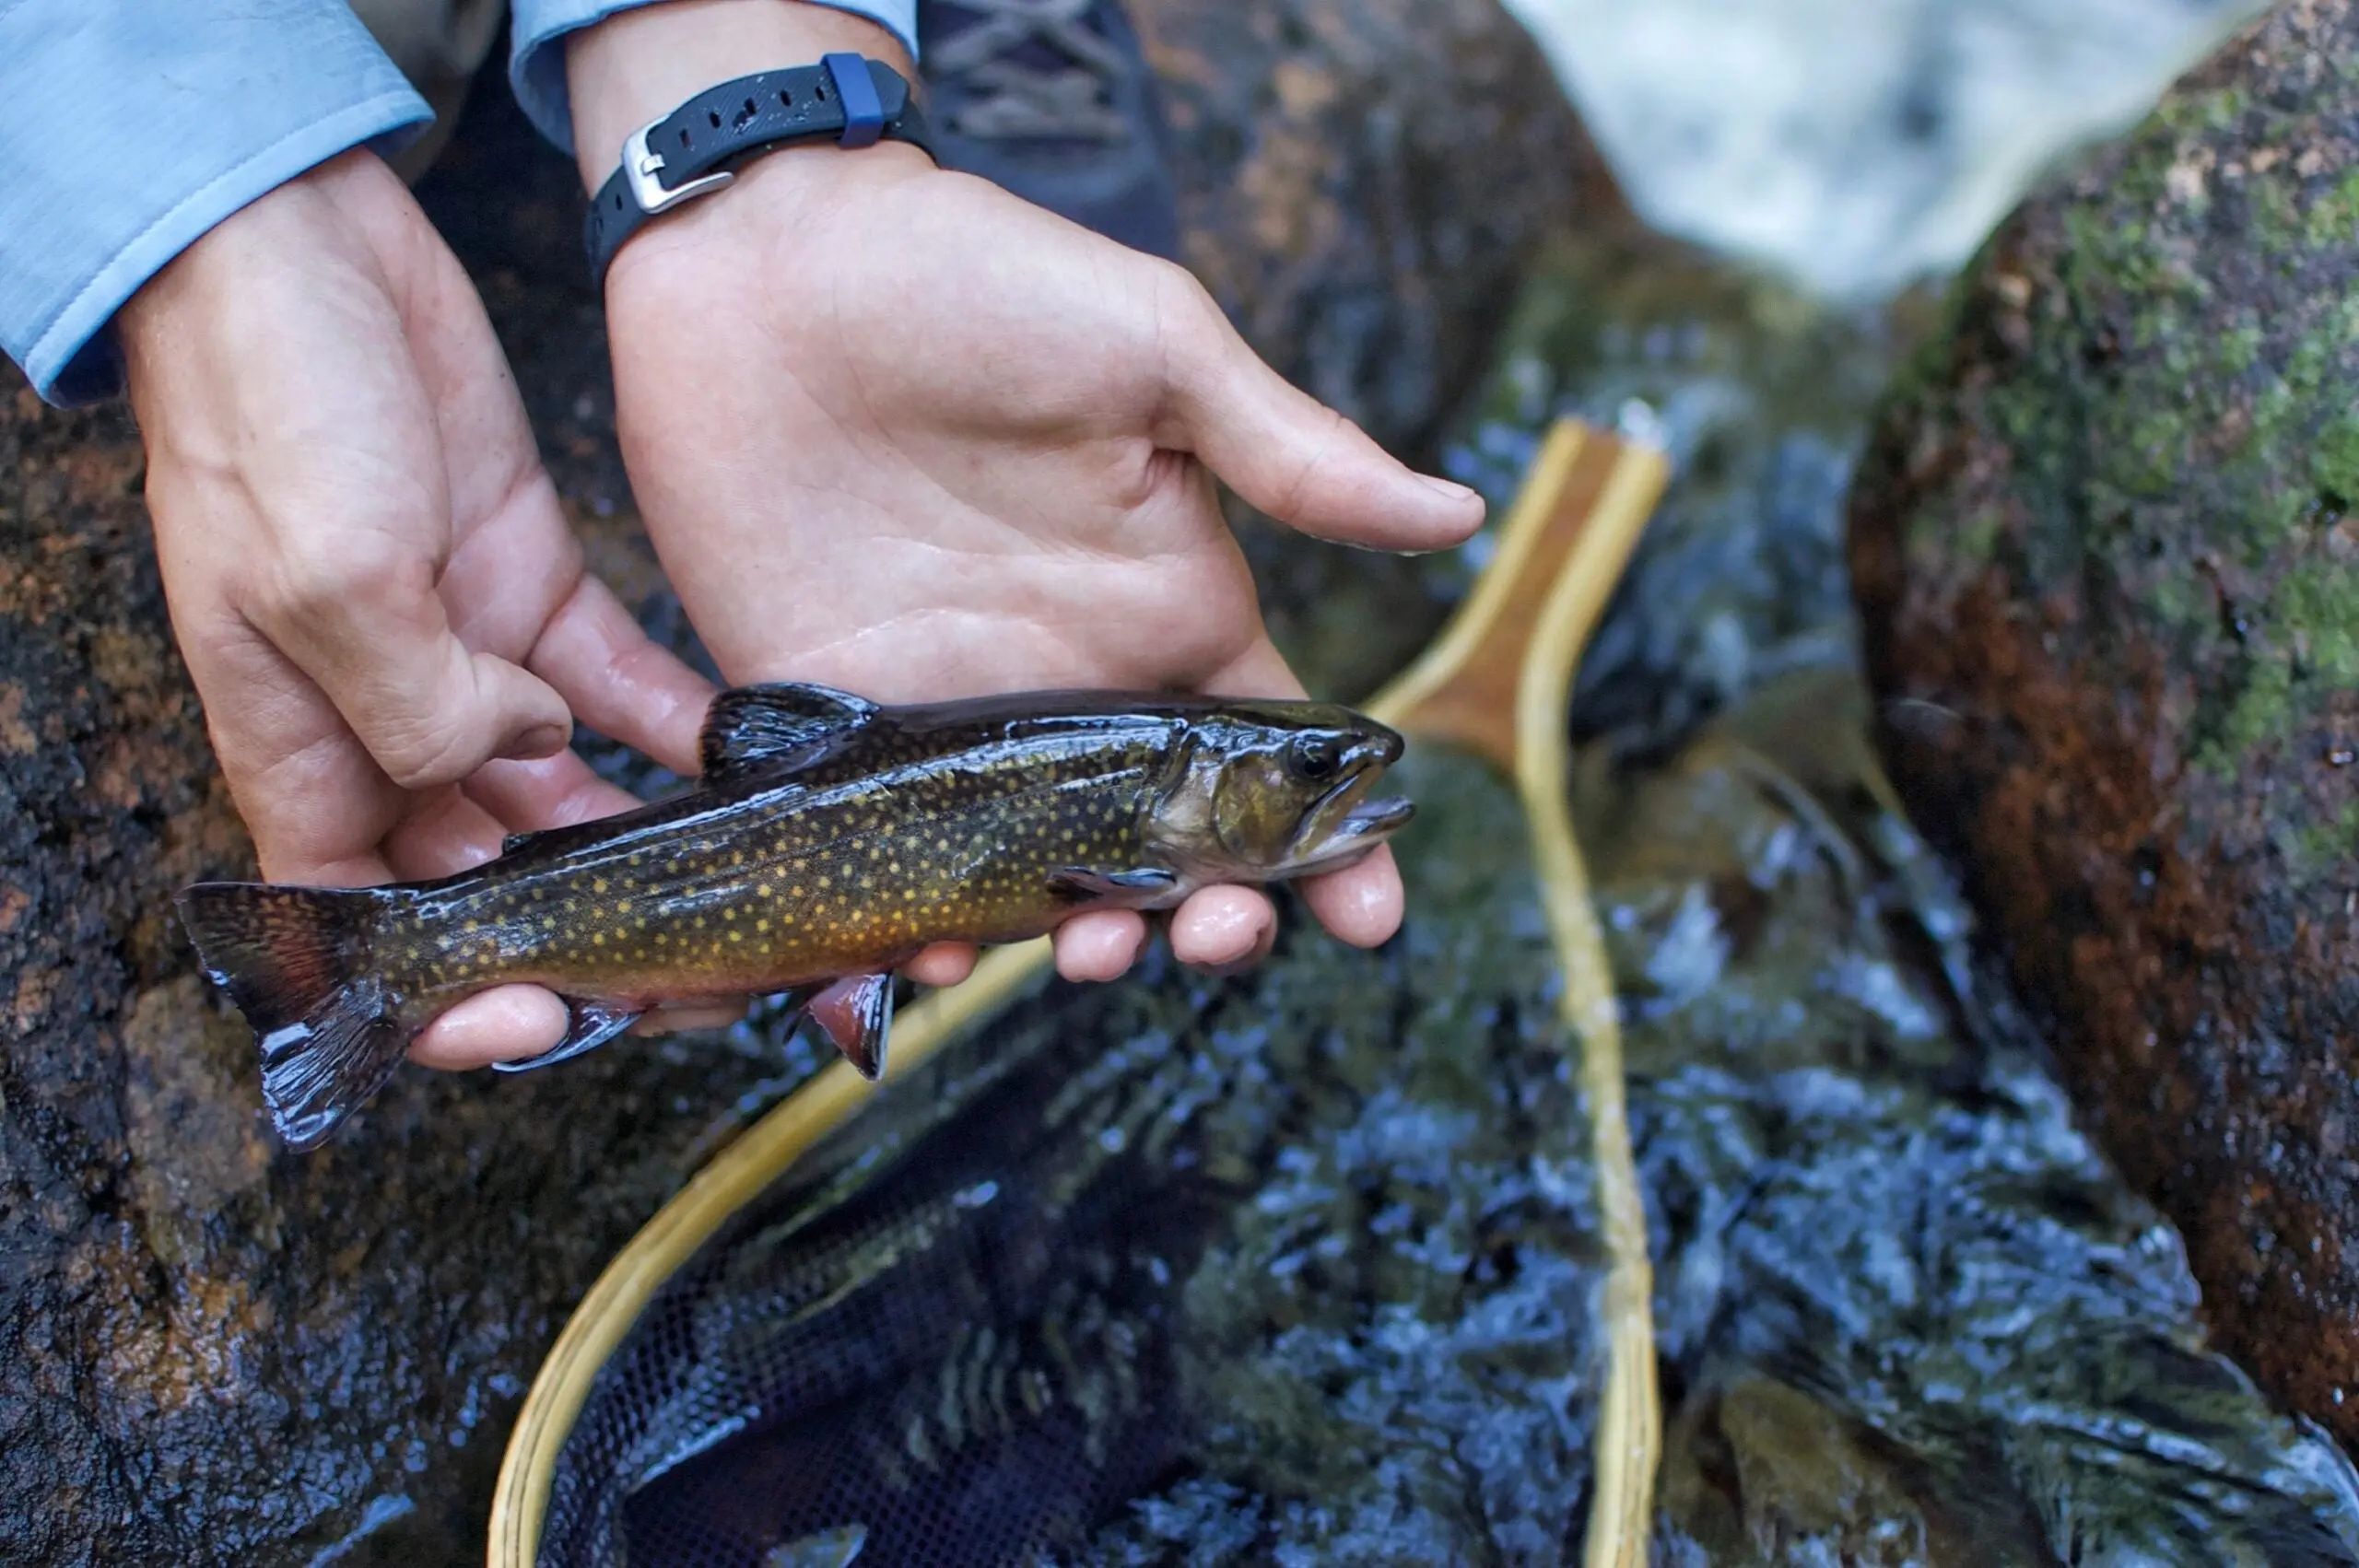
column 1343, row 824
column 1377, row 819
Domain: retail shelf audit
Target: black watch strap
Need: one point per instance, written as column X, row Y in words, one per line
column 847, row 98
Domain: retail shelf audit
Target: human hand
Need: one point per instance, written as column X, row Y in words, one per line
column 896, row 430
column 371, row 582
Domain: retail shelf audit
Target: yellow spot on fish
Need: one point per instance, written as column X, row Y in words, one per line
column 599, row 885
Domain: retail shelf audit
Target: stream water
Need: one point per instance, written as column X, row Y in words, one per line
column 1857, row 145
column 1300, row 1268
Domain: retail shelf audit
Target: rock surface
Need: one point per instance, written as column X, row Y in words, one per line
column 2107, row 546
column 1363, row 182
column 212, row 1351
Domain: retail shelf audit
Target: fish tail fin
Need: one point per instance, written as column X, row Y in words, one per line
column 295, row 961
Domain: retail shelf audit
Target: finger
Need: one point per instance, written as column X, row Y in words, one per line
column 445, row 833
column 1260, row 670
column 944, row 964
column 363, row 619
column 1287, row 453
column 505, row 1023
column 1101, row 944
column 555, row 791
column 317, row 806
column 1218, row 927
column 1360, row 904
column 619, row 680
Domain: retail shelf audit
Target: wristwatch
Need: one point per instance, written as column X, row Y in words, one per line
column 846, row 97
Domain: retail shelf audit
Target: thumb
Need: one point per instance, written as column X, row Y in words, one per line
column 373, row 634
column 1287, row 453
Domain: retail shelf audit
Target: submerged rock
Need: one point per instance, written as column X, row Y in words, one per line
column 2107, row 546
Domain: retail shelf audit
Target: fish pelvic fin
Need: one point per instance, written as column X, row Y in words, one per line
column 856, row 1014
column 1142, row 888
column 295, row 961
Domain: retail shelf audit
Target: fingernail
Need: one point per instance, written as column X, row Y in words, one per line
column 540, row 741
column 1449, row 488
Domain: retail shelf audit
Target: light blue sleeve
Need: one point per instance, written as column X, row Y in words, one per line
column 129, row 129
column 537, row 62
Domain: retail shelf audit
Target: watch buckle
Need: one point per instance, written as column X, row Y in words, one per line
column 640, row 165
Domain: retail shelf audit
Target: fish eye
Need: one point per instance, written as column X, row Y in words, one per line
column 1315, row 756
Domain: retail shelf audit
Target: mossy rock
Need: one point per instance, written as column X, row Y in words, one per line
column 2106, row 541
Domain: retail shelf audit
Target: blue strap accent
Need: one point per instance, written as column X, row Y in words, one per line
column 856, row 93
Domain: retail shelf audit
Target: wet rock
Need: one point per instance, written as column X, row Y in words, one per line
column 211, row 1351
column 1363, row 182
column 2107, row 545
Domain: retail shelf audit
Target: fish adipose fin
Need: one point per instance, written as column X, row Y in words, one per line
column 589, row 1025
column 1133, row 889
column 760, row 729
column 856, row 1014
column 294, row 960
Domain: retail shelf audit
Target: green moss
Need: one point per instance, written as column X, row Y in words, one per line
column 2333, row 219
column 2198, row 112
column 2258, row 712
column 2317, row 846
column 2320, row 603
column 2334, row 460
column 2239, row 349
column 1976, row 538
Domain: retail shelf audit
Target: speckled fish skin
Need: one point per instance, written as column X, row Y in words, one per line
column 828, row 838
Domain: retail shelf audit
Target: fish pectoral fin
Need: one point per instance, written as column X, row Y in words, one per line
column 589, row 1025
column 856, row 1014
column 780, row 726
column 1134, row 889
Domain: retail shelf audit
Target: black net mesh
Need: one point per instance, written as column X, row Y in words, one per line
column 958, row 1348
column 1301, row 1268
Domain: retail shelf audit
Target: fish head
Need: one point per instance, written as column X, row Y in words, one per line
column 1261, row 790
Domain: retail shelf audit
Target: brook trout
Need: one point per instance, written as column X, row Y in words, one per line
column 826, row 841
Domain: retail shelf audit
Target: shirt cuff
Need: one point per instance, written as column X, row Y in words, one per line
column 536, row 61
column 130, row 129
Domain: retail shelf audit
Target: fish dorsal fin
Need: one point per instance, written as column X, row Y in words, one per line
column 755, row 729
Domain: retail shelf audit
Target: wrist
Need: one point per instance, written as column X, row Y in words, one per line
column 350, row 213
column 641, row 63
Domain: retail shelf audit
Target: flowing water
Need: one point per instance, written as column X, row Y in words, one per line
column 1857, row 145
column 1301, row 1268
